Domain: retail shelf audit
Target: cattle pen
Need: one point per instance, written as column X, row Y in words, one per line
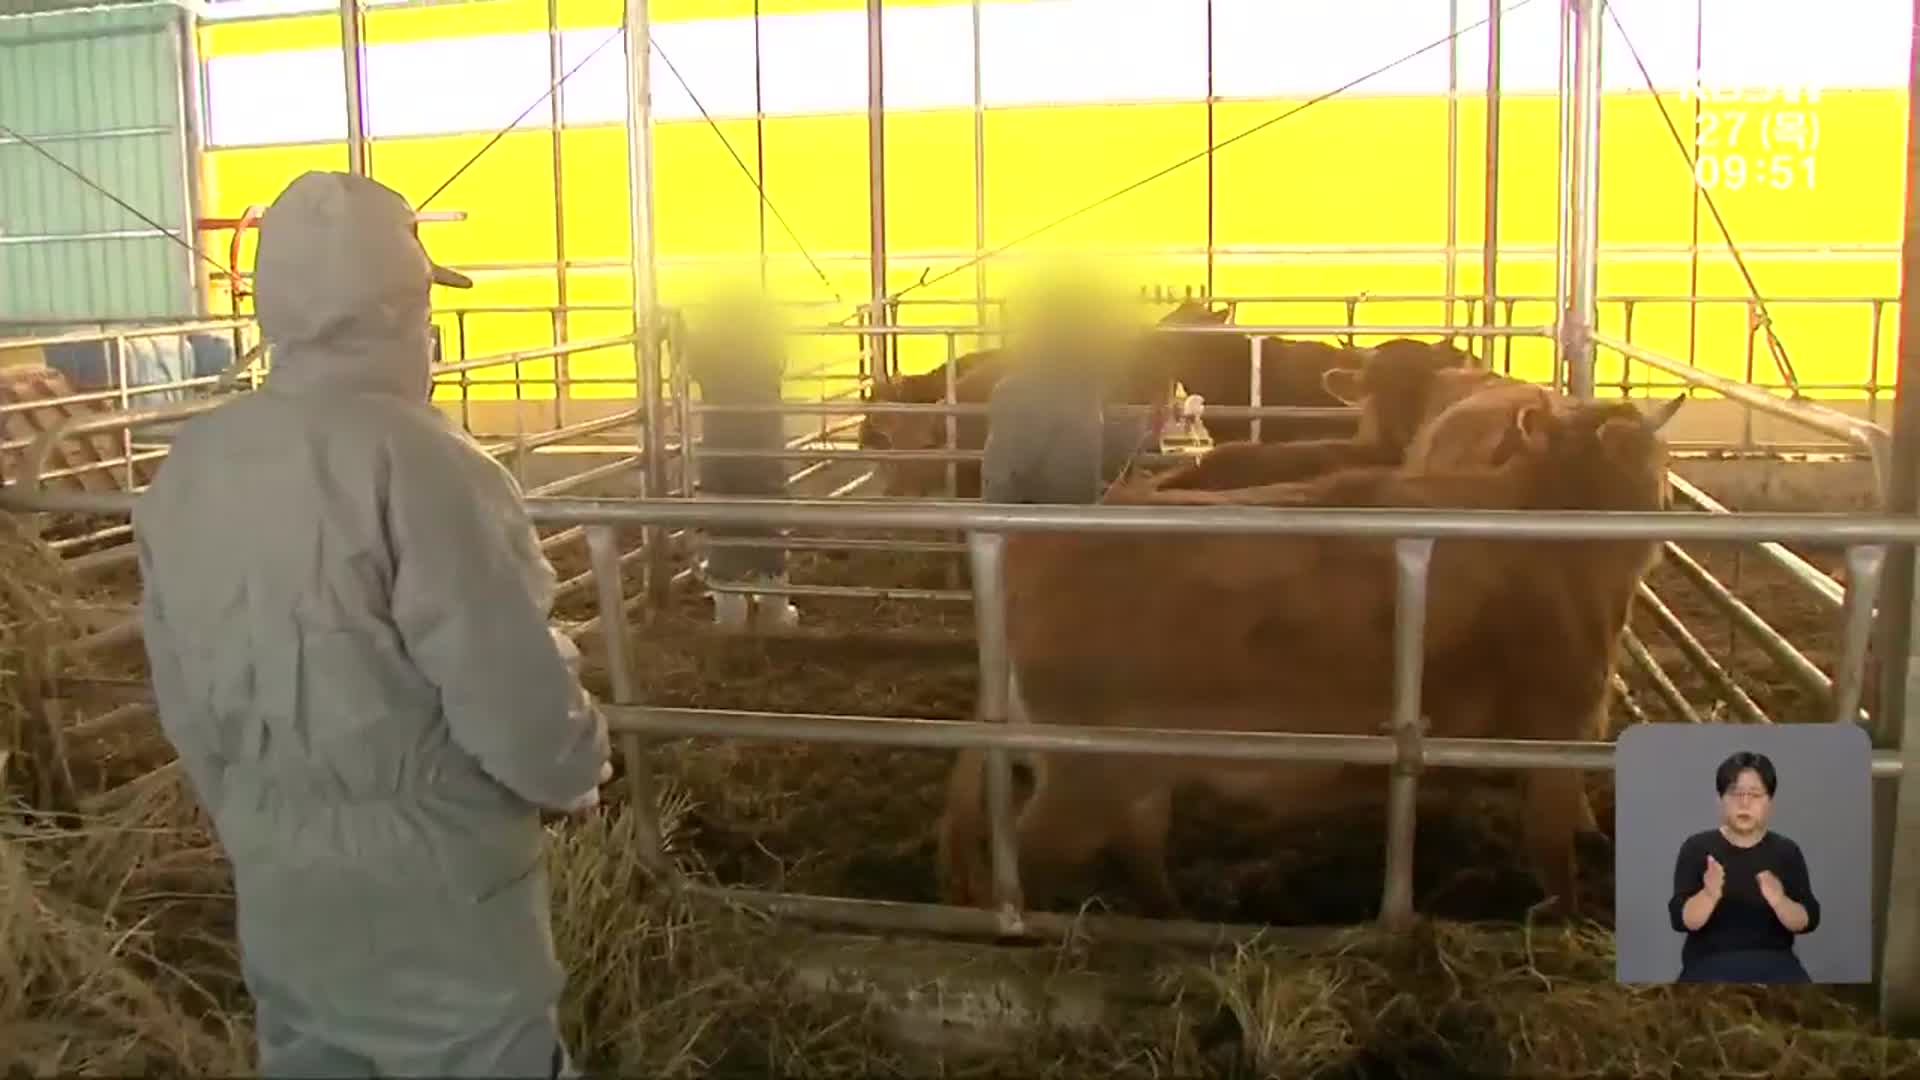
column 759, row 893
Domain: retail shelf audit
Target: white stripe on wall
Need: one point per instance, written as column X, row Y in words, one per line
column 1091, row 51
column 1048, row 52
column 1308, row 47
column 294, row 96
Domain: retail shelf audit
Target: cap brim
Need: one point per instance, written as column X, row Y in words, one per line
column 452, row 279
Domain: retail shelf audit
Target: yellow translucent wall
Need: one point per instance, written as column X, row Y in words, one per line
column 1366, row 173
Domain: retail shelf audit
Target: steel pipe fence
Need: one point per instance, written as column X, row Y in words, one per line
column 951, row 410
column 1866, row 437
column 563, row 379
column 1875, row 386
column 1406, row 751
column 516, row 450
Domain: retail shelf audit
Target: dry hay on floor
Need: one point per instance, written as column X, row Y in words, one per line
column 116, row 953
column 43, row 605
column 118, row 961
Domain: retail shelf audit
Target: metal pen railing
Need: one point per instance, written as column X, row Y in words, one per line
column 951, row 410
column 1875, row 310
column 1866, row 437
column 1872, row 441
column 122, row 393
column 1405, row 751
column 131, row 333
column 1863, row 435
column 35, row 473
column 1805, row 673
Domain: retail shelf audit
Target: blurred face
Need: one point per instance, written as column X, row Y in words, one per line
column 1744, row 806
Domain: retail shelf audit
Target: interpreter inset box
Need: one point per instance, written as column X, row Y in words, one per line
column 1743, row 853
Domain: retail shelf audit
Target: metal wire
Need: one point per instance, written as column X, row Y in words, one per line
column 192, row 248
column 1202, row 154
column 652, row 42
column 752, row 177
column 528, row 111
column 1775, row 346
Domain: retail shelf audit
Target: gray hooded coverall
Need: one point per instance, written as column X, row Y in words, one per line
column 1049, row 439
column 345, row 611
column 739, row 362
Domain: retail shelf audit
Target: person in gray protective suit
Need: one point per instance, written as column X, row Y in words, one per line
column 736, row 358
column 1049, row 439
column 345, row 610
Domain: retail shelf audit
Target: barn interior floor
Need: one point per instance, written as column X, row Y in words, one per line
column 120, row 958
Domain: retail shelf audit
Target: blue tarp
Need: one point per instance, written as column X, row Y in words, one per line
column 89, row 366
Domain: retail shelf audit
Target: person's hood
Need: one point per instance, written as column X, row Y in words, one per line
column 736, row 333
column 343, row 288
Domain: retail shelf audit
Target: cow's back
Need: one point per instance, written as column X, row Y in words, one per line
column 1219, row 369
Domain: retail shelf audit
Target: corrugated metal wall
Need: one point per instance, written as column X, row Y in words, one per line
column 103, row 91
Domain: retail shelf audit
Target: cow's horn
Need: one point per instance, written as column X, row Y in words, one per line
column 1666, row 412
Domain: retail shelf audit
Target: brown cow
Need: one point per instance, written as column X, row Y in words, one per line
column 925, row 388
column 892, row 430
column 1292, row 374
column 1295, row 634
column 1402, row 384
column 922, row 431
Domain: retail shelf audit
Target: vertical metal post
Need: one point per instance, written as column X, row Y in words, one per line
column 1253, row 384
column 353, row 55
column 877, row 179
column 1897, row 804
column 987, row 554
column 645, row 288
column 121, row 373
column 760, row 142
column 1693, row 185
column 1411, row 561
column 1563, row 201
column 980, row 179
column 1490, row 242
column 1582, row 137
column 951, row 396
column 1897, row 865
column 1452, row 259
column 1212, row 189
column 1864, row 566
column 604, row 551
column 683, row 410
column 192, row 147
column 556, row 67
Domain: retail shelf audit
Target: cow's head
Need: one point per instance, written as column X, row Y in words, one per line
column 1487, row 425
column 1607, row 455
column 1578, row 454
column 902, row 431
column 1398, row 385
column 876, row 428
column 1165, row 354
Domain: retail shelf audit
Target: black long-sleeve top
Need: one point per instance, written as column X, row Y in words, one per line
column 1742, row 920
